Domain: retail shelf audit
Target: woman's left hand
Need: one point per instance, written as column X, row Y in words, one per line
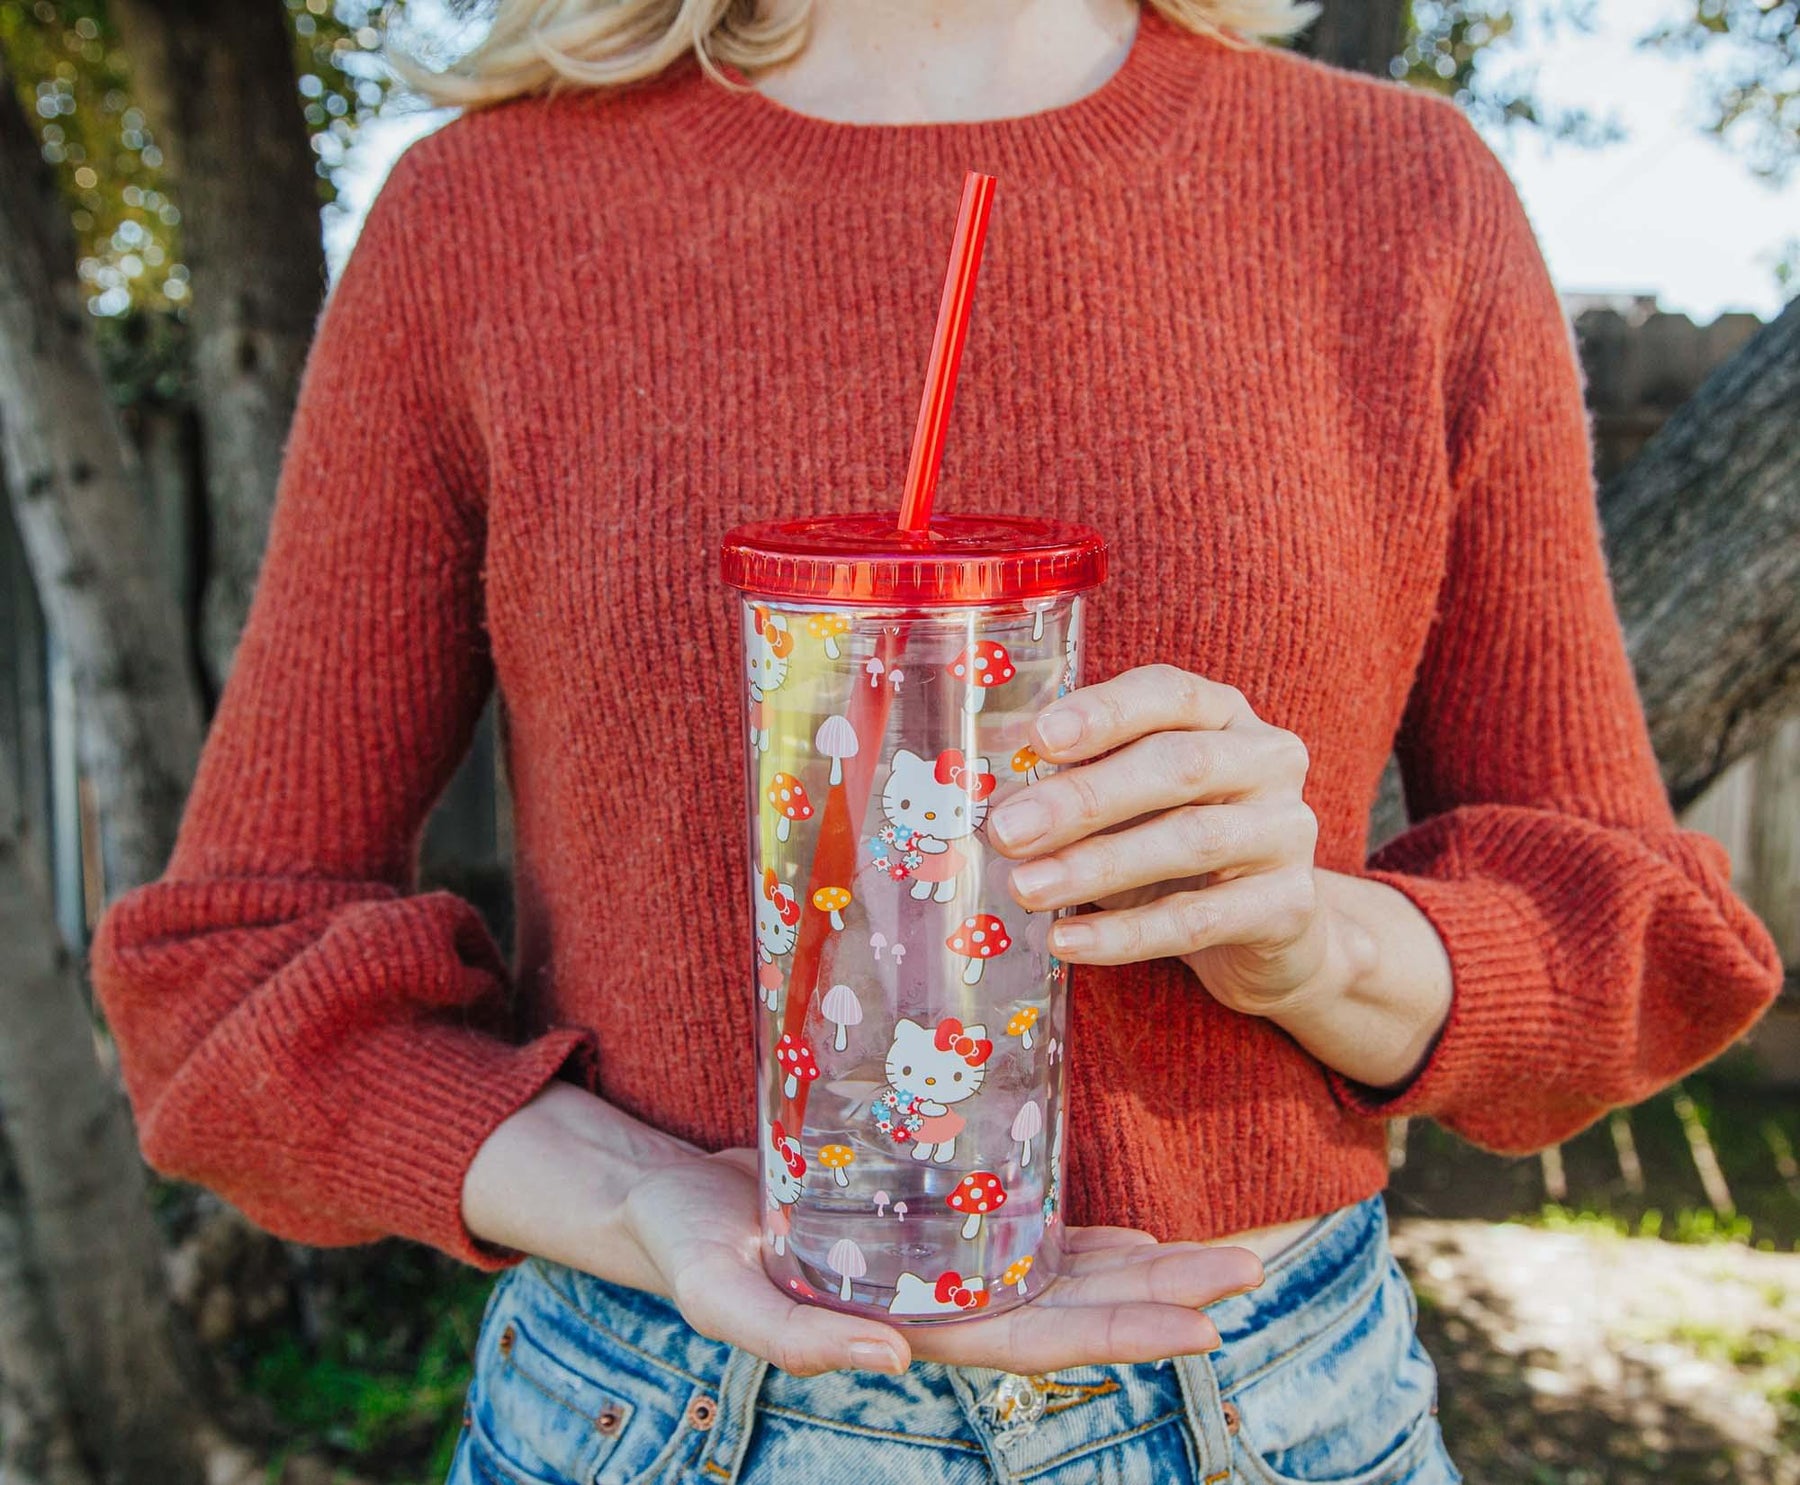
column 1178, row 812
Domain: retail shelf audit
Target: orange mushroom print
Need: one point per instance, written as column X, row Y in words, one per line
column 766, row 653
column 837, row 1159
column 1019, row 1024
column 983, row 666
column 928, row 806
column 1016, row 1271
column 795, row 1054
column 832, row 901
column 787, row 796
column 927, row 1072
column 827, row 628
column 1026, row 762
column 977, row 1194
column 978, row 938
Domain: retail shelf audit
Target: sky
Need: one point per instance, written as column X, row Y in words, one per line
column 1666, row 212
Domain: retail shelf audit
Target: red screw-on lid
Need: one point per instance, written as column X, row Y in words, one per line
column 864, row 559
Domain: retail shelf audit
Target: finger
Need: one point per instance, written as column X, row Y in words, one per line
column 1165, row 1273
column 1085, row 1239
column 1151, row 698
column 1040, row 1338
column 1191, row 840
column 1152, row 774
column 1272, row 908
column 724, row 1300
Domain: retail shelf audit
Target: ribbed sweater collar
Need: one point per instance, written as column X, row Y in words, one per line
column 1149, row 107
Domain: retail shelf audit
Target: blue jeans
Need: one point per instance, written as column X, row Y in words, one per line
column 1321, row 1378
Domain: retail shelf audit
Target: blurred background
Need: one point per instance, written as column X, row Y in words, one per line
column 178, row 178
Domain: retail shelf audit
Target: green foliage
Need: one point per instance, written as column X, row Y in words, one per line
column 1750, row 53
column 384, row 1384
column 1696, row 1225
column 74, row 80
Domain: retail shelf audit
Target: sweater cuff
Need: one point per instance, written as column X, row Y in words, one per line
column 443, row 1090
column 1500, row 988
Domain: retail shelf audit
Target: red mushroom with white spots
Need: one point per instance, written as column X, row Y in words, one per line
column 977, row 1194
column 982, row 666
column 978, row 938
column 788, row 795
column 795, row 1054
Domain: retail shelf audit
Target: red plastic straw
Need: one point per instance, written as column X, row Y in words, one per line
column 835, row 855
column 946, row 352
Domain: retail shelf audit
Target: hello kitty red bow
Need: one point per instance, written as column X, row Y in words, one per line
column 777, row 638
column 950, row 1290
column 953, row 768
column 788, row 1150
column 950, row 1038
column 785, row 902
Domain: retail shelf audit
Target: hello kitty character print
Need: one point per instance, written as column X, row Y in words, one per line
column 766, row 656
column 777, row 930
column 928, row 1070
column 927, row 806
column 784, row 1179
column 947, row 1294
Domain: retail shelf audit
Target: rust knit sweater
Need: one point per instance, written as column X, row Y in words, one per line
column 1282, row 333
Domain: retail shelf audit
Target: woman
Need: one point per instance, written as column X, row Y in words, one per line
column 1285, row 335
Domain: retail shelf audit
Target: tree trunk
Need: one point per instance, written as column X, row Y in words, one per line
column 1703, row 536
column 86, row 536
column 92, row 1243
column 1363, row 35
column 37, row 1421
column 86, row 539
column 217, row 79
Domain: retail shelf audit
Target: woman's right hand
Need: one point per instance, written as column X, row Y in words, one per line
column 575, row 1180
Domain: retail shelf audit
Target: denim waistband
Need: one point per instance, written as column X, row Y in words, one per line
column 1309, row 1288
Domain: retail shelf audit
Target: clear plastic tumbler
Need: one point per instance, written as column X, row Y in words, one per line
column 911, row 1019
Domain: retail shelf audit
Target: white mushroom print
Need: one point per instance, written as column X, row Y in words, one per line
column 1027, row 1125
column 977, row 1194
column 766, row 655
column 847, row 1261
column 841, row 1007
column 983, row 666
column 836, row 740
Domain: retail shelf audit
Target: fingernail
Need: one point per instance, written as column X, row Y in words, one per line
column 1036, row 876
column 1071, row 938
column 1059, row 728
column 876, row 1356
column 1018, row 821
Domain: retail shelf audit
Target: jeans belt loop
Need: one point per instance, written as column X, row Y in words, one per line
column 739, row 1387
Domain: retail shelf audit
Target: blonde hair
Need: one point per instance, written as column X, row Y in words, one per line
column 536, row 45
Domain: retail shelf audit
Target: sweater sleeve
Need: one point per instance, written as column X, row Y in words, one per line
column 299, row 1027
column 1597, row 949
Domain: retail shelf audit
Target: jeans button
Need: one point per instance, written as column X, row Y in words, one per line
column 1231, row 1417
column 702, row 1413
